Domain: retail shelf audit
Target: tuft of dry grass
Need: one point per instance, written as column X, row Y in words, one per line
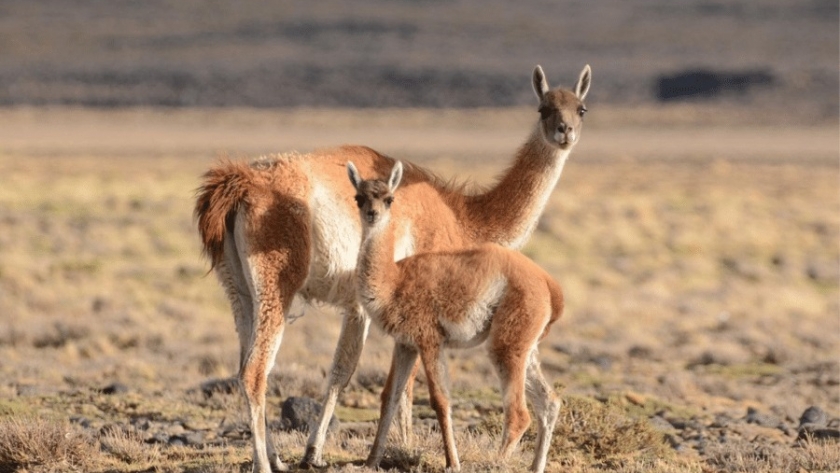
column 127, row 446
column 744, row 456
column 594, row 433
column 41, row 444
column 605, row 434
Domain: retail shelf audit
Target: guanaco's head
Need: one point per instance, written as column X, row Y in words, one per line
column 374, row 196
column 561, row 110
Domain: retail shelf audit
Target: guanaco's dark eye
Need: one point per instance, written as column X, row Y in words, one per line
column 360, row 201
column 582, row 110
column 545, row 112
column 389, row 200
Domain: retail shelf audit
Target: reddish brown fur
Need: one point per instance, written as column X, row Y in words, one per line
column 433, row 300
column 226, row 187
column 267, row 241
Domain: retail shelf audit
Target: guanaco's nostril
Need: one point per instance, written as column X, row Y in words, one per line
column 562, row 128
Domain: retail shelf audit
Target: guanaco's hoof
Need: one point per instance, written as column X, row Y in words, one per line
column 309, row 461
column 309, row 464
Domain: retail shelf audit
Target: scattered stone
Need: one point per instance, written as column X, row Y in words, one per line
column 674, row 441
column 159, row 437
column 175, row 429
column 822, row 271
column 236, row 431
column 775, row 356
column 764, row 420
column 141, row 423
column 99, row 304
column 194, row 438
column 825, row 434
column 706, row 358
column 677, row 423
column 298, row 412
column 219, row 386
column 114, row 388
column 604, row 362
column 641, row 352
column 81, row 420
column 813, row 417
column 813, row 425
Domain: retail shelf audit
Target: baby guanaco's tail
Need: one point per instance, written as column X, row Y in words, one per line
column 556, row 293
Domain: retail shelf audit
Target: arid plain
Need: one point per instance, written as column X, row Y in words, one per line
column 697, row 247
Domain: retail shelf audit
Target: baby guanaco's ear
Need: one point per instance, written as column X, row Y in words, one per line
column 583, row 83
column 396, row 176
column 353, row 174
column 539, row 82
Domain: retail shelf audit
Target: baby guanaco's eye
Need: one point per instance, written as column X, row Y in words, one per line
column 389, row 200
column 360, row 201
column 582, row 110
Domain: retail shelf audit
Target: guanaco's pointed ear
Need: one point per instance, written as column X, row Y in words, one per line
column 396, row 176
column 582, row 86
column 353, row 174
column 539, row 82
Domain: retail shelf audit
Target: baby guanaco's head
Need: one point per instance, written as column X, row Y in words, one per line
column 374, row 196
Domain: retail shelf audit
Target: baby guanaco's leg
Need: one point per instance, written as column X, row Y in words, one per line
column 546, row 407
column 510, row 366
column 435, row 367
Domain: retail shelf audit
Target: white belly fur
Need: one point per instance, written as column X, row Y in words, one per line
column 475, row 326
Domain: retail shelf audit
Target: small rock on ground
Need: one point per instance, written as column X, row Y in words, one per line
column 297, row 413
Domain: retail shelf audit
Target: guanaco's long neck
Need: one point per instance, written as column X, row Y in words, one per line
column 377, row 271
column 508, row 213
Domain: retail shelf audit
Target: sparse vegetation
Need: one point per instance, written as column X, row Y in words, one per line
column 44, row 444
column 696, row 288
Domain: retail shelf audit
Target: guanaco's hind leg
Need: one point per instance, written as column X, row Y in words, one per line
column 354, row 331
column 274, row 265
column 231, row 275
column 272, row 302
column 404, row 359
column 404, row 408
column 253, row 377
column 230, row 272
column 546, row 407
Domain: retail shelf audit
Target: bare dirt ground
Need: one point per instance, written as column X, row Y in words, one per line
column 698, row 248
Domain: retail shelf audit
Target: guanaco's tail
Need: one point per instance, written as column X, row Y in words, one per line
column 224, row 190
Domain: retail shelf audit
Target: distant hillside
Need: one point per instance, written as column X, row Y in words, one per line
column 432, row 53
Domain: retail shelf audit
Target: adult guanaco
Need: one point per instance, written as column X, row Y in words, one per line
column 286, row 226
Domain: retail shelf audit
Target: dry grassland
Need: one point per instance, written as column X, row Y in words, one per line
column 700, row 264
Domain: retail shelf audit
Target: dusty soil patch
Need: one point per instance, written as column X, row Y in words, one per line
column 702, row 289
